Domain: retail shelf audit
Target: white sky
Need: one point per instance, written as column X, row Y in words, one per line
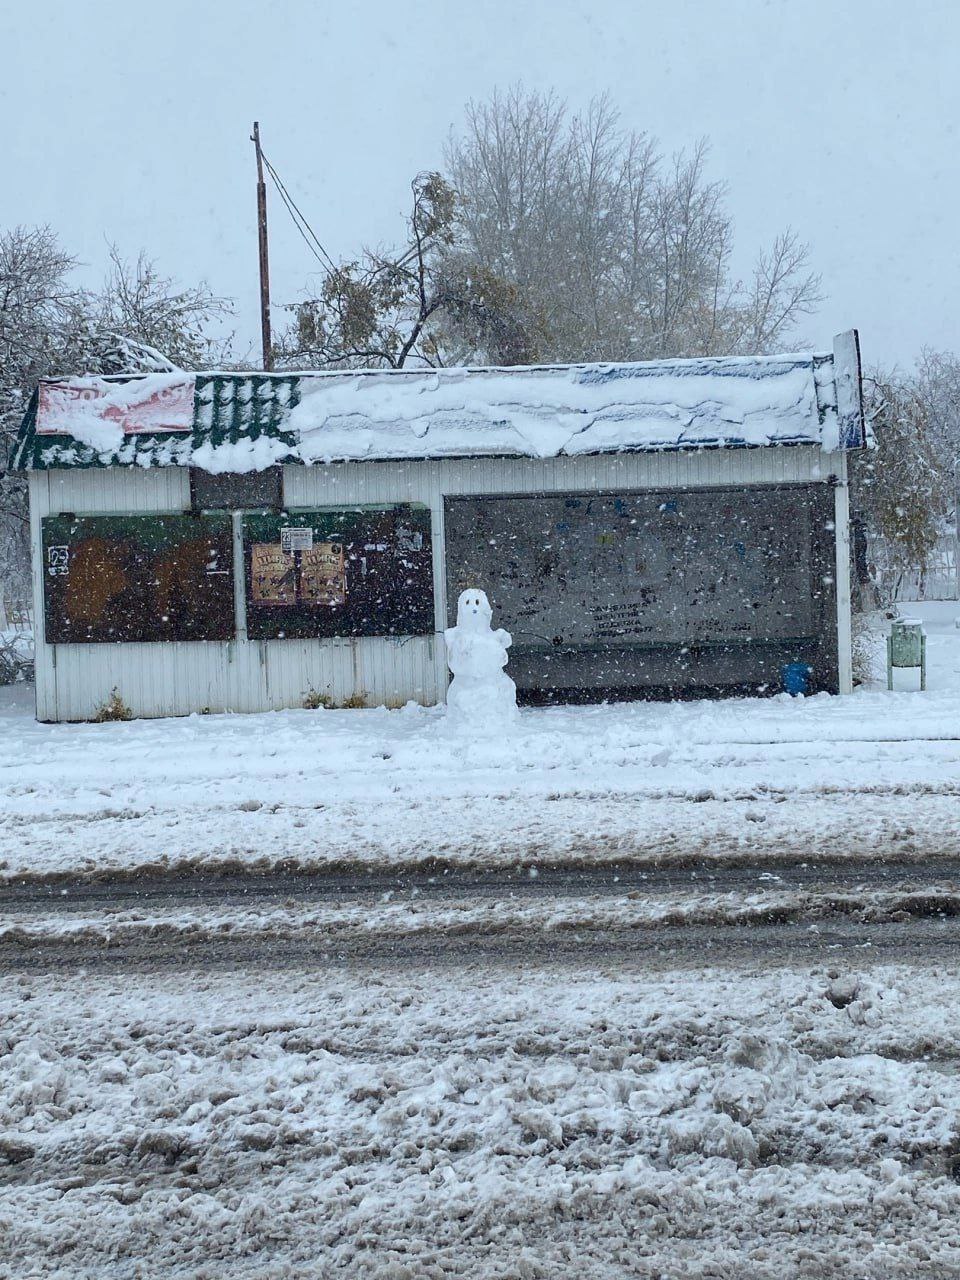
column 130, row 122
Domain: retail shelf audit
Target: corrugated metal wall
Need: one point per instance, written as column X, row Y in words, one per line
column 242, row 675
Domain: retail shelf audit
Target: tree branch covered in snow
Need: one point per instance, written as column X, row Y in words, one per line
column 146, row 322
column 390, row 308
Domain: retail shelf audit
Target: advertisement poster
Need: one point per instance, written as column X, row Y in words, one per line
column 273, row 576
column 323, row 578
column 156, row 403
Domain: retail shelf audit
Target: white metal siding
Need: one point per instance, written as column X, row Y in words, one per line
column 112, row 490
column 175, row 678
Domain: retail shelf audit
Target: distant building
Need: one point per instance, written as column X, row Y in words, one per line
column 246, row 541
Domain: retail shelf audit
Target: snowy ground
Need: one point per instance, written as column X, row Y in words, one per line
column 482, row 1122
column 874, row 774
column 578, row 1112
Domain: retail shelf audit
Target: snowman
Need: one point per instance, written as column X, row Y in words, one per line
column 481, row 694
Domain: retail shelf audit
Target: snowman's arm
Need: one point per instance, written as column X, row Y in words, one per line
column 504, row 637
column 448, row 635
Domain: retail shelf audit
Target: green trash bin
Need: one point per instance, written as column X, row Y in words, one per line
column 907, row 647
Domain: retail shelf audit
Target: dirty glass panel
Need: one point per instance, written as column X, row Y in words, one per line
column 709, row 587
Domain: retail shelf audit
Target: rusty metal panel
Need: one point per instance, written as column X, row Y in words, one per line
column 236, row 491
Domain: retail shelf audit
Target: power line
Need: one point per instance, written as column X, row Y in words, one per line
column 299, row 221
column 301, row 226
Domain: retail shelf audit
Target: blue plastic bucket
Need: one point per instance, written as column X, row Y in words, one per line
column 796, row 678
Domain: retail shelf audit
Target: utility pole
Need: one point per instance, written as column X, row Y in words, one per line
column 264, row 260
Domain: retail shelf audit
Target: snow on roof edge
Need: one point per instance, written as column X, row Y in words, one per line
column 248, row 420
column 671, row 364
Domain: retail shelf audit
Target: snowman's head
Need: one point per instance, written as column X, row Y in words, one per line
column 473, row 610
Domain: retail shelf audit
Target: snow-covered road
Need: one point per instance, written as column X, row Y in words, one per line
column 483, row 1121
column 62, row 893
column 674, row 936
column 527, row 1085
column 296, row 920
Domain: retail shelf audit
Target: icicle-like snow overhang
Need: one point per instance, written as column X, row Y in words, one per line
column 238, row 422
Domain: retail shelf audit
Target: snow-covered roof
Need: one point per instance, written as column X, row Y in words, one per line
column 248, row 421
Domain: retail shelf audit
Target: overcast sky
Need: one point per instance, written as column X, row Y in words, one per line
column 129, row 122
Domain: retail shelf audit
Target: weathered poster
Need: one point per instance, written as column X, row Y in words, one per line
column 323, row 579
column 159, row 577
column 273, row 580
column 156, row 403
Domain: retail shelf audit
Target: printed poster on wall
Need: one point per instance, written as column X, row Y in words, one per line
column 273, row 576
column 281, row 579
column 323, row 578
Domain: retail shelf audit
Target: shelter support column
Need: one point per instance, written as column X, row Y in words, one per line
column 45, row 656
column 842, row 544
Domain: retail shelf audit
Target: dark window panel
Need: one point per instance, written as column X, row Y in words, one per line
column 350, row 572
column 675, row 589
column 250, row 491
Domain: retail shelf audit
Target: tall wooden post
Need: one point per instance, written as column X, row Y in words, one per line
column 264, row 258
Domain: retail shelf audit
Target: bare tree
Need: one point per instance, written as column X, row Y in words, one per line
column 554, row 237
column 938, row 380
column 36, row 304
column 143, row 321
column 903, row 487
column 783, row 288
column 615, row 254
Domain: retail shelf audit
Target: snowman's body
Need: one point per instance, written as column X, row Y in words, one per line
column 481, row 693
